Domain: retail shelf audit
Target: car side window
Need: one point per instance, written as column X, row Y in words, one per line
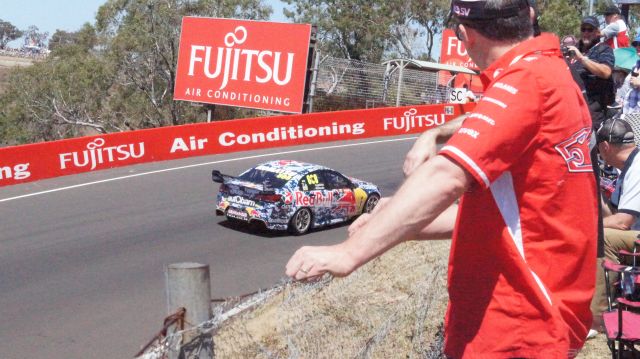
column 312, row 181
column 335, row 180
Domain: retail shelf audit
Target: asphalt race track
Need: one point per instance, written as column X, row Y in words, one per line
column 82, row 257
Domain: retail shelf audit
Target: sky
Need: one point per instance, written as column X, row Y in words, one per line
column 69, row 15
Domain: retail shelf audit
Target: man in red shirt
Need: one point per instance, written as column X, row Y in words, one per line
column 522, row 262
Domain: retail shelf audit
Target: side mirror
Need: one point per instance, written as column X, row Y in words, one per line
column 216, row 176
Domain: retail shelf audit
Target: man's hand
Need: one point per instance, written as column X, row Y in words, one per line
column 423, row 149
column 365, row 217
column 309, row 263
column 635, row 82
column 575, row 52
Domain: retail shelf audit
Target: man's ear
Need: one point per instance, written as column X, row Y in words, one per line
column 464, row 34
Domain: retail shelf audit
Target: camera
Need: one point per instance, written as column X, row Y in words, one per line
column 566, row 52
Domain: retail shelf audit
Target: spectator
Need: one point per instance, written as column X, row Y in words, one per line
column 636, row 43
column 616, row 32
column 594, row 61
column 469, row 95
column 616, row 144
column 631, row 99
column 525, row 200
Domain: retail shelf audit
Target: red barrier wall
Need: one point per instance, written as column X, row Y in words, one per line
column 20, row 164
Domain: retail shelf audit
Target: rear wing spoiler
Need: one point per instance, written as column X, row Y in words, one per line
column 218, row 177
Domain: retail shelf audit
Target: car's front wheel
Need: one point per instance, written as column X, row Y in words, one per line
column 301, row 221
column 371, row 203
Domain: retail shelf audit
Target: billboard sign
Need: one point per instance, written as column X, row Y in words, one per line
column 452, row 52
column 243, row 63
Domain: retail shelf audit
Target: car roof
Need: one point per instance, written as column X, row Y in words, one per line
column 293, row 166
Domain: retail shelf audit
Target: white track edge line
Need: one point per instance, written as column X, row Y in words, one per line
column 199, row 165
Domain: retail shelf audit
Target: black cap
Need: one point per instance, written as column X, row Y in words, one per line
column 591, row 20
column 611, row 10
column 474, row 10
column 615, row 130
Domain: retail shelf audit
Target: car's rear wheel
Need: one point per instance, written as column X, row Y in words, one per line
column 301, row 221
column 371, row 203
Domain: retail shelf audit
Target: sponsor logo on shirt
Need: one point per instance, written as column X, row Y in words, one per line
column 575, row 151
column 482, row 117
column 469, row 132
column 510, row 89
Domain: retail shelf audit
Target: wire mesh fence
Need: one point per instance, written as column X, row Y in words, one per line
column 344, row 83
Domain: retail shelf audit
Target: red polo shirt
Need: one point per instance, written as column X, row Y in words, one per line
column 522, row 263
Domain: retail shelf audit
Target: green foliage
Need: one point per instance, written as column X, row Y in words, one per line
column 372, row 30
column 8, row 33
column 560, row 17
column 117, row 76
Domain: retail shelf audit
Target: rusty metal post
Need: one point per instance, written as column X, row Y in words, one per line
column 189, row 287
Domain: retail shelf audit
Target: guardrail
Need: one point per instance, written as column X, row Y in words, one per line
column 26, row 163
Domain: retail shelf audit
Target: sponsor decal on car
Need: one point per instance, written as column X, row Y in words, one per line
column 236, row 213
column 241, row 201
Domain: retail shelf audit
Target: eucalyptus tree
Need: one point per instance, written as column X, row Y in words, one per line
column 141, row 38
column 8, row 33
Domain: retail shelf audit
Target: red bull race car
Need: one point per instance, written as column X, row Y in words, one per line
column 294, row 196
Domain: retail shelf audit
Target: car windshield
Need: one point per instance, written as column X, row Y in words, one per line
column 275, row 176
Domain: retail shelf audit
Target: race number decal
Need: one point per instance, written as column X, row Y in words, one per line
column 313, row 179
column 575, row 151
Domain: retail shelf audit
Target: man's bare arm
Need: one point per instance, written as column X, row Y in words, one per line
column 622, row 221
column 425, row 146
column 413, row 208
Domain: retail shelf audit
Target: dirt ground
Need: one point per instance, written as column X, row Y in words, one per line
column 392, row 307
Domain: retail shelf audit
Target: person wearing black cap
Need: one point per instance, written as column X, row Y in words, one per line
column 519, row 282
column 616, row 33
column 617, row 147
column 594, row 61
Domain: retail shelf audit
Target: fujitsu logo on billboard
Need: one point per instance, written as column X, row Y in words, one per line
column 97, row 154
column 243, row 63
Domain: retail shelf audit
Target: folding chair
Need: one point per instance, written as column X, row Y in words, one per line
column 623, row 323
column 623, row 329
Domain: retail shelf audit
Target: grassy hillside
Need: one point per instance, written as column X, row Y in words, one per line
column 8, row 62
column 393, row 307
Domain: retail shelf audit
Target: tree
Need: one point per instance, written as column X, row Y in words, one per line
column 141, row 38
column 34, row 37
column 8, row 33
column 117, row 76
column 372, row 30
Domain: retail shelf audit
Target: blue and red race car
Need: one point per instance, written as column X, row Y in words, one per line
column 294, row 196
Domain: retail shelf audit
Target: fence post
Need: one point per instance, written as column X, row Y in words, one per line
column 189, row 286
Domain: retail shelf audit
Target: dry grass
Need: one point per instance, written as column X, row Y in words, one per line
column 392, row 307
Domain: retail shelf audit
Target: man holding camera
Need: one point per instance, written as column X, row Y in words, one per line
column 594, row 61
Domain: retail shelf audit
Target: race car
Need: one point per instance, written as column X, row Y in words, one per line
column 293, row 196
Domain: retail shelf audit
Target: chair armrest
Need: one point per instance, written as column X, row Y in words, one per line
column 609, row 265
column 629, row 303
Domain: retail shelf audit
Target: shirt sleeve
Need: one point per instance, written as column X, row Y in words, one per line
column 611, row 30
column 603, row 56
column 630, row 198
column 503, row 125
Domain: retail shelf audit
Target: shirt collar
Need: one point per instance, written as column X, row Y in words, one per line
column 546, row 44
